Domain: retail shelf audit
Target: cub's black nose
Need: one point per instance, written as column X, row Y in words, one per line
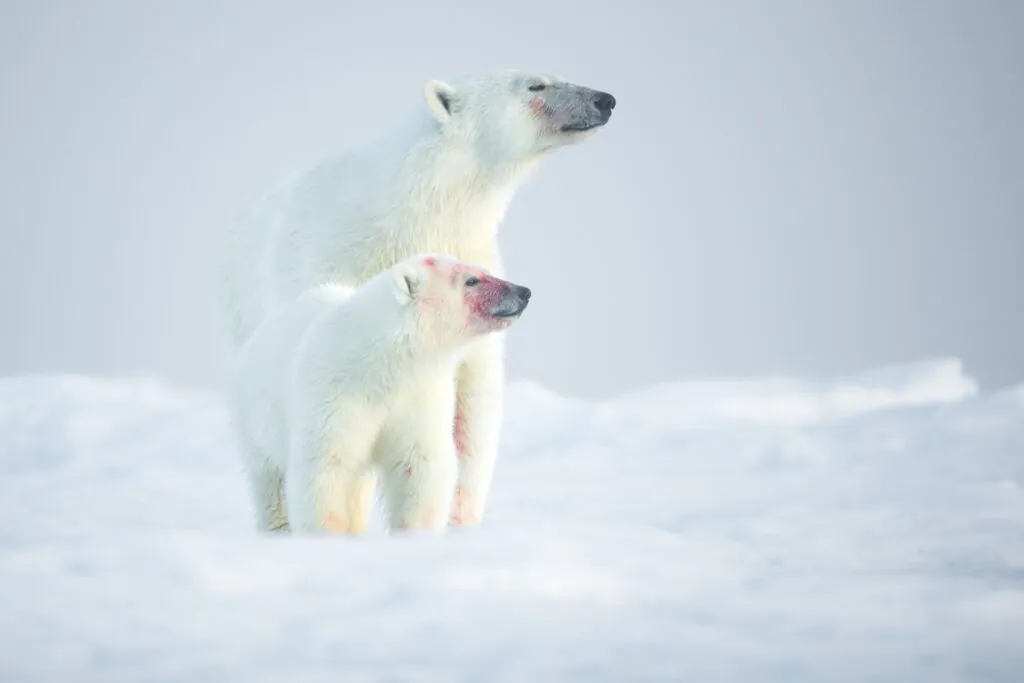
column 604, row 101
column 524, row 294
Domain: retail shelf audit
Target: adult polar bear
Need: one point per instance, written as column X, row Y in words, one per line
column 439, row 183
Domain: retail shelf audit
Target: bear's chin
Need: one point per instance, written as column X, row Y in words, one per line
column 578, row 128
column 494, row 323
column 568, row 136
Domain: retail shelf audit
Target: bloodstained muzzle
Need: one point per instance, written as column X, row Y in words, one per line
column 512, row 303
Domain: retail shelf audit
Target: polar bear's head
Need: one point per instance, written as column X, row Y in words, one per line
column 513, row 116
column 454, row 301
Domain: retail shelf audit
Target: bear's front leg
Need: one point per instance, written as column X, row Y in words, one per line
column 479, row 385
column 417, row 460
column 418, row 490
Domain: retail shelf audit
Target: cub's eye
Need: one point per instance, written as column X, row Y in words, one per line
column 537, row 87
column 472, row 281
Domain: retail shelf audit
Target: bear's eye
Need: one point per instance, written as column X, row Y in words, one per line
column 472, row 281
column 537, row 87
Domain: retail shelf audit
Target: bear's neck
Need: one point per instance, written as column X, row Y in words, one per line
column 450, row 180
column 426, row 194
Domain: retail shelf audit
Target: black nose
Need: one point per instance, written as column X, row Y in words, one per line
column 604, row 101
column 524, row 294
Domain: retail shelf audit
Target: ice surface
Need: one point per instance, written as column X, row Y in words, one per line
column 868, row 528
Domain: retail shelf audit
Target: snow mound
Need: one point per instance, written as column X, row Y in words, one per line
column 865, row 528
column 783, row 401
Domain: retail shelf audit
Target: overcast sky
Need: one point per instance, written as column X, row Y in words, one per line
column 802, row 188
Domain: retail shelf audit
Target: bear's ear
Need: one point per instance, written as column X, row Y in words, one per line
column 406, row 282
column 441, row 99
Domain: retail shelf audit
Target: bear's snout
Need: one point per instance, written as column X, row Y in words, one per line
column 513, row 303
column 604, row 102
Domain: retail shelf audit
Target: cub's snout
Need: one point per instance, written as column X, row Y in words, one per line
column 513, row 302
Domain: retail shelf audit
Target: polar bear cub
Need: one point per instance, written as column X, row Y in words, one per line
column 345, row 385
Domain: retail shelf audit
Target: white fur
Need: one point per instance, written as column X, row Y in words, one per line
column 439, row 183
column 343, row 386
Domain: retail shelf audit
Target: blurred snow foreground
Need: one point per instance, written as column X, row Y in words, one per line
column 866, row 528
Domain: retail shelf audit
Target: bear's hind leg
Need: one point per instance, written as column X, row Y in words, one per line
column 266, row 487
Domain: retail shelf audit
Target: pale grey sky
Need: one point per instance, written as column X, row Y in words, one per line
column 788, row 187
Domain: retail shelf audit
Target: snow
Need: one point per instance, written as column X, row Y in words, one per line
column 867, row 528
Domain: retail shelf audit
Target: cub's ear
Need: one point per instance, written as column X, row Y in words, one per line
column 405, row 279
column 441, row 100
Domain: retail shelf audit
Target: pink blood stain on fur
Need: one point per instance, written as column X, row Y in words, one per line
column 337, row 523
column 460, row 514
column 537, row 105
column 457, row 514
column 487, row 294
column 430, row 261
column 459, row 433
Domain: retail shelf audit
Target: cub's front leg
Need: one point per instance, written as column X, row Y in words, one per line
column 418, row 462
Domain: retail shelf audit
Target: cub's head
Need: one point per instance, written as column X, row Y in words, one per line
column 454, row 301
column 513, row 116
